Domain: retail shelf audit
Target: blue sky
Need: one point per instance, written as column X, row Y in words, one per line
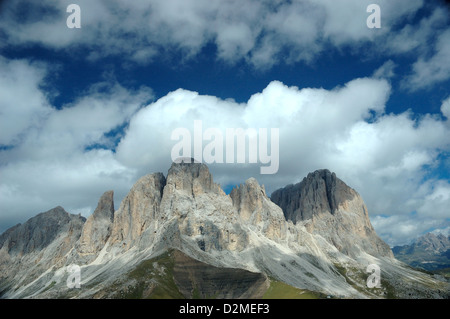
column 92, row 109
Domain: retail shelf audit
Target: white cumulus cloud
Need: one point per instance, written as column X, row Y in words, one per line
column 383, row 156
column 48, row 161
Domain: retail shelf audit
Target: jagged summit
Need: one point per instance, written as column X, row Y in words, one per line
column 39, row 231
column 191, row 176
column 138, row 210
column 430, row 252
column 319, row 192
column 327, row 206
column 97, row 228
column 254, row 207
column 28, row 250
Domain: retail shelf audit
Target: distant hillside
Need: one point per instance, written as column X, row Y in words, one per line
column 430, row 252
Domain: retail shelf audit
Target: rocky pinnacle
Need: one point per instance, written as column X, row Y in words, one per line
column 330, row 208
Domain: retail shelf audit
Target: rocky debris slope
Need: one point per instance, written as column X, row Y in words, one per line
column 315, row 235
column 173, row 274
column 196, row 279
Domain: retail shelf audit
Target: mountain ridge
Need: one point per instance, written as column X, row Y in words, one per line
column 188, row 212
column 430, row 252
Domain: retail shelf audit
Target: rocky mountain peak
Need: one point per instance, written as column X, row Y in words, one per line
column 138, row 209
column 324, row 181
column 27, row 250
column 188, row 212
column 97, row 228
column 430, row 251
column 105, row 207
column 433, row 242
column 327, row 206
column 40, row 231
column 248, row 197
column 191, row 177
column 254, row 207
column 319, row 192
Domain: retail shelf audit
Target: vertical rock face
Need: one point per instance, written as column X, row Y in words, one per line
column 138, row 209
column 203, row 213
column 330, row 208
column 98, row 226
column 254, row 207
column 320, row 192
column 186, row 208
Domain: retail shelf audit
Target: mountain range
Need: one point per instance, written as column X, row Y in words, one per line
column 181, row 236
column 430, row 252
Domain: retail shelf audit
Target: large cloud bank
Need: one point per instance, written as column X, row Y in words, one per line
column 69, row 156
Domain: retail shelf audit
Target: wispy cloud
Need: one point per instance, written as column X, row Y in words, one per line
column 430, row 70
column 263, row 33
column 48, row 162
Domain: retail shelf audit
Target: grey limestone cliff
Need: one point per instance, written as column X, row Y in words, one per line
column 138, row 210
column 255, row 208
column 98, row 227
column 330, row 208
